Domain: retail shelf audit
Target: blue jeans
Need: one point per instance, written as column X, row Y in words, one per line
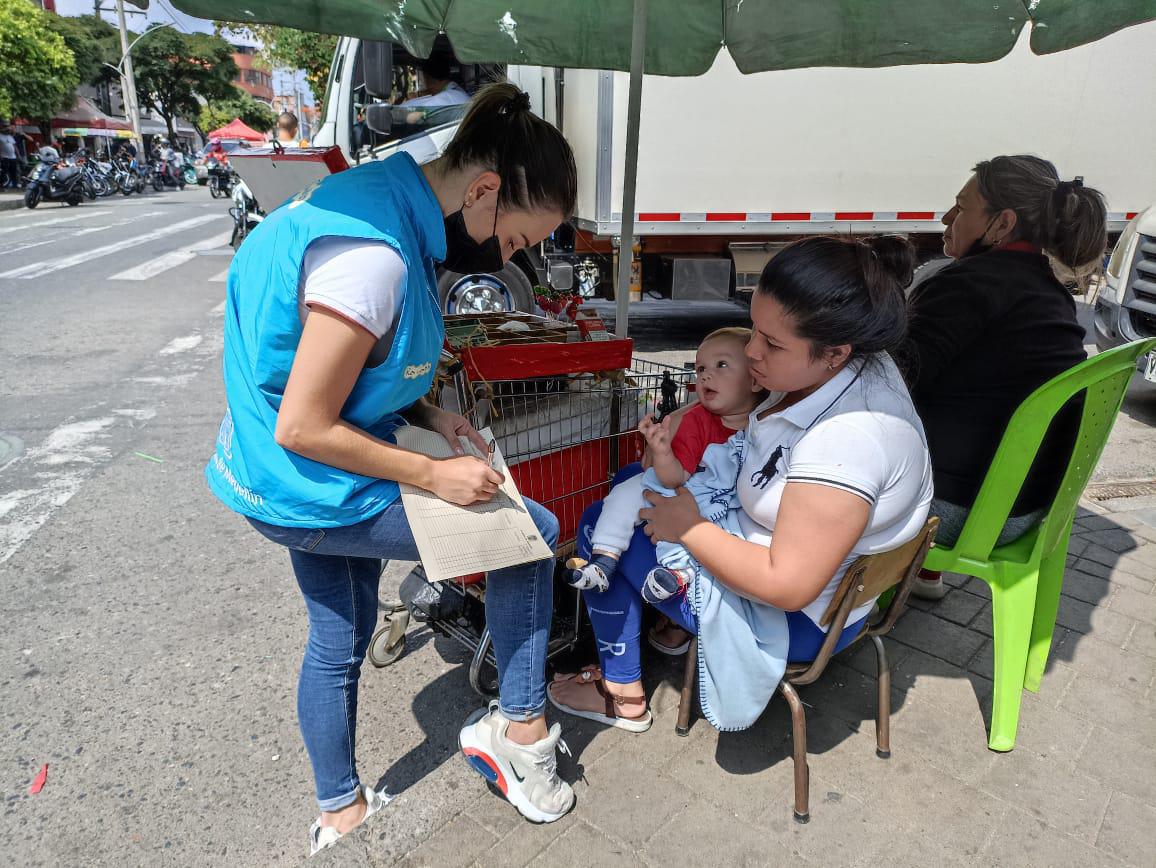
column 337, row 570
column 616, row 613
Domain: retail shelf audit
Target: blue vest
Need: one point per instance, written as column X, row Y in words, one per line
column 386, row 201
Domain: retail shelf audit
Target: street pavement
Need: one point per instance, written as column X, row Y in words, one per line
column 151, row 641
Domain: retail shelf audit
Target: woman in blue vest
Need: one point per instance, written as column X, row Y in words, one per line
column 332, row 335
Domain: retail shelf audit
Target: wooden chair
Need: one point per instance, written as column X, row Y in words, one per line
column 865, row 579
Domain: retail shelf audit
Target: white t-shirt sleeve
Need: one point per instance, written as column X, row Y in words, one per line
column 840, row 454
column 363, row 281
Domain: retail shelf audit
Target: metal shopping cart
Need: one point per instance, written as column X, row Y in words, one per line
column 564, row 434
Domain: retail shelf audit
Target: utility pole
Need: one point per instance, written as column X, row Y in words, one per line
column 128, row 78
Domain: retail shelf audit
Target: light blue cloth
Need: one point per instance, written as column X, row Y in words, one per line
column 742, row 644
column 385, row 201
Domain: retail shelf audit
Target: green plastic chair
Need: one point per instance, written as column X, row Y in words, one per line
column 1026, row 575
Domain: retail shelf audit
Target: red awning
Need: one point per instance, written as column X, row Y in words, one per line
column 236, row 129
column 86, row 114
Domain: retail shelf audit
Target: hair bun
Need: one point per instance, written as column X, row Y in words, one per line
column 519, row 102
column 896, row 257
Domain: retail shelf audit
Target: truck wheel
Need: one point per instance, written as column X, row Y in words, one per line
column 508, row 289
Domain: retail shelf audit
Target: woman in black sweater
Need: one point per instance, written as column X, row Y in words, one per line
column 993, row 326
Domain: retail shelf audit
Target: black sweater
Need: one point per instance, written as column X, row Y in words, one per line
column 985, row 332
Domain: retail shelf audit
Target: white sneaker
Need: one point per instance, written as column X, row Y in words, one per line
column 321, row 837
column 527, row 775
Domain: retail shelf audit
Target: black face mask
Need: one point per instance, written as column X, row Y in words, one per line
column 981, row 244
column 466, row 256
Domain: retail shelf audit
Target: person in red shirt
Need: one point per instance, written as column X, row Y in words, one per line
column 726, row 395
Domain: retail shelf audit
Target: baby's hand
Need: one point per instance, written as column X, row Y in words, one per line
column 657, row 434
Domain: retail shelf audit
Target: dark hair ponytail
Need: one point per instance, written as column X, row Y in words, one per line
column 534, row 161
column 844, row 291
column 1064, row 218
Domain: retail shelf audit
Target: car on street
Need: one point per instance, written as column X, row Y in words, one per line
column 1125, row 308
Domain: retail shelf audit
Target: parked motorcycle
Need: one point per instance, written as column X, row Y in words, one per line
column 126, row 176
column 246, row 213
column 221, row 178
column 54, row 180
column 187, row 168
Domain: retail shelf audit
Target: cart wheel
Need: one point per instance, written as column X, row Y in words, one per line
column 388, row 643
column 381, row 653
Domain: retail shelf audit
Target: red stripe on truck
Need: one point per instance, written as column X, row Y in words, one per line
column 854, row 215
column 659, row 217
column 727, row 217
column 915, row 215
column 1130, row 215
column 791, row 215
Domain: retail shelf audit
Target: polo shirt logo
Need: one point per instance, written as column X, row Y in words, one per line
column 412, row 372
column 761, row 478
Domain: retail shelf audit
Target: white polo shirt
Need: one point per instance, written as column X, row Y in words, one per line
column 860, row 433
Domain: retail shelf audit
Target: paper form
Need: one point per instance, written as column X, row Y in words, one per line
column 459, row 540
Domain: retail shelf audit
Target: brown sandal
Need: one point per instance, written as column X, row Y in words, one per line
column 609, row 715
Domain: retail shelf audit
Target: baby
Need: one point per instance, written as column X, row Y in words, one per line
column 726, row 396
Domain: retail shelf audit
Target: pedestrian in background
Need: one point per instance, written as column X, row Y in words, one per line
column 10, row 174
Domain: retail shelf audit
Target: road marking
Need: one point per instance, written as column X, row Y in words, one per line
column 61, row 463
column 40, row 224
column 182, row 345
column 171, row 259
column 7, row 251
column 220, row 278
column 40, row 269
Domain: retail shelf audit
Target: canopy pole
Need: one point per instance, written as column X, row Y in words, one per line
column 630, row 182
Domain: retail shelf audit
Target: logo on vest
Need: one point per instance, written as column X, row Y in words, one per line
column 412, row 372
column 225, row 435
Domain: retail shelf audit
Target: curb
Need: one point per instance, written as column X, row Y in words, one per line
column 11, row 204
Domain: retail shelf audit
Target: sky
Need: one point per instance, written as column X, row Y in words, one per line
column 163, row 12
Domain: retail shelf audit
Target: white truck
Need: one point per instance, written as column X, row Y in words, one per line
column 732, row 167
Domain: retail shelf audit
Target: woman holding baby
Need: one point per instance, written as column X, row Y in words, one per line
column 833, row 464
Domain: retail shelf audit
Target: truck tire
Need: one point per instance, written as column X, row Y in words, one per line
column 508, row 289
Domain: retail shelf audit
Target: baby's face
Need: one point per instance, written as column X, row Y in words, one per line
column 724, row 384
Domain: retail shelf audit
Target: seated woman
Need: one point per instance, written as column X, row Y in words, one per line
column 992, row 327
column 835, row 466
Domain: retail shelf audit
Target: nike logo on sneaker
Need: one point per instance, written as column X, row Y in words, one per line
column 517, row 775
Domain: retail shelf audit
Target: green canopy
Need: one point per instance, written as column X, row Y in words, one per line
column 684, row 36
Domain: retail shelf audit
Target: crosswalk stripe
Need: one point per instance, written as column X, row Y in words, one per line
column 39, row 269
column 171, row 259
column 220, row 278
column 53, row 221
column 18, row 248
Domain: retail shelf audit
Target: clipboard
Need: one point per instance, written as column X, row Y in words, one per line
column 457, row 540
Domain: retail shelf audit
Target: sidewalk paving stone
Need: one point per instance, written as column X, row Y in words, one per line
column 1027, row 780
column 1025, row 841
column 717, row 837
column 1101, row 660
column 1131, row 714
column 582, row 846
column 925, row 632
column 1129, row 830
column 1121, row 762
column 1135, row 604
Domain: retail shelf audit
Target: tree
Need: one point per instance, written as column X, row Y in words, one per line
column 173, row 69
column 240, row 105
column 37, row 72
column 93, row 43
column 284, row 47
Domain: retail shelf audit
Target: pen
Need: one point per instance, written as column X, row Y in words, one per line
column 490, row 454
